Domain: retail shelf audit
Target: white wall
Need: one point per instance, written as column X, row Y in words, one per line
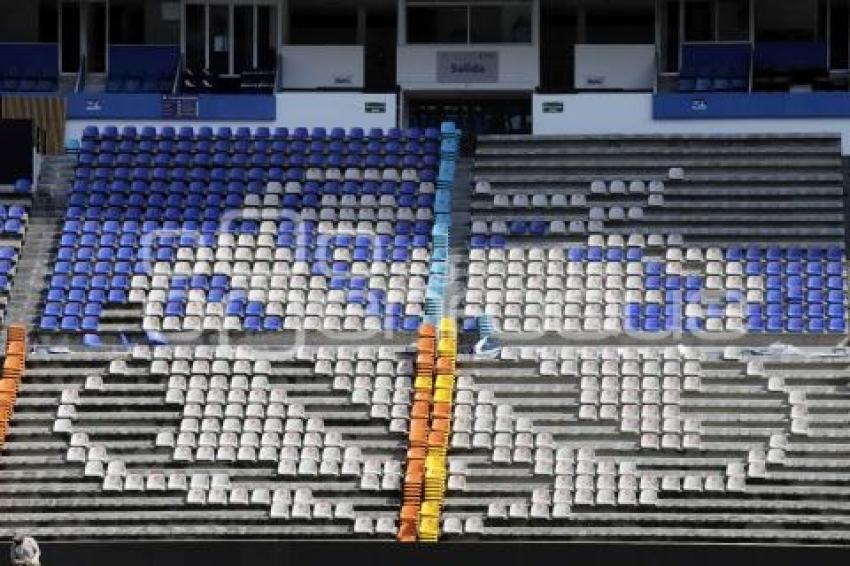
column 308, row 109
column 631, row 113
column 341, row 109
column 323, row 66
column 605, row 67
column 518, row 67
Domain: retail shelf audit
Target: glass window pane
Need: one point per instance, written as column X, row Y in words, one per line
column 266, row 37
column 699, row 21
column 838, row 47
column 196, row 52
column 312, row 25
column 70, row 37
column 96, row 56
column 437, row 24
column 21, row 22
column 48, row 22
column 796, row 21
column 219, row 39
column 623, row 25
column 500, row 24
column 733, row 20
column 126, row 21
column 243, row 38
column 670, row 36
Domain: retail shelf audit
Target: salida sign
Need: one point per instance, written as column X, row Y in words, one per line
column 468, row 66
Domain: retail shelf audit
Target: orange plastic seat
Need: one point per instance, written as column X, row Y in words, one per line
column 442, row 411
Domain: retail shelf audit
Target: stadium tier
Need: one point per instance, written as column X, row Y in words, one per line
column 657, row 235
column 248, row 230
column 321, row 236
column 533, row 280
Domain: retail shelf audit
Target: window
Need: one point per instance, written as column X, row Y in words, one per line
column 48, row 22
column 733, row 20
column 839, row 39
column 670, row 38
column 624, row 25
column 96, row 37
column 437, row 24
column 469, row 23
column 219, row 39
column 699, row 21
column 311, row 25
column 231, row 38
column 500, row 24
column 126, row 21
column 266, row 37
column 243, row 38
column 70, row 37
column 796, row 21
column 196, row 36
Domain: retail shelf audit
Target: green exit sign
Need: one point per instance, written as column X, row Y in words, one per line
column 556, row 107
column 376, row 107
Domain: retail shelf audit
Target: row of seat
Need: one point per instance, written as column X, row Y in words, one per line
column 261, row 168
column 244, row 133
column 630, row 288
column 143, row 150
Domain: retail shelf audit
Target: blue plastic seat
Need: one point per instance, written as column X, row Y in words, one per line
column 48, row 323
column 594, row 253
column 755, row 323
column 391, row 324
column 252, row 323
column 734, row 254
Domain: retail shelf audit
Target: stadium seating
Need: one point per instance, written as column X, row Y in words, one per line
column 629, row 254
column 142, row 68
column 241, row 230
column 29, row 67
column 625, row 286
column 10, row 380
column 646, row 443
column 288, row 442
column 724, row 191
column 262, row 231
column 718, row 67
column 790, row 56
column 14, row 215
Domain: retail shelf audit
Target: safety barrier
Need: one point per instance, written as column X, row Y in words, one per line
column 13, row 371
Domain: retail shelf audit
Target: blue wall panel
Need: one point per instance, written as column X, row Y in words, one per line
column 120, row 106
column 702, row 106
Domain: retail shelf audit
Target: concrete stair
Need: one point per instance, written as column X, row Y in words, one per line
column 38, row 252
column 459, row 238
